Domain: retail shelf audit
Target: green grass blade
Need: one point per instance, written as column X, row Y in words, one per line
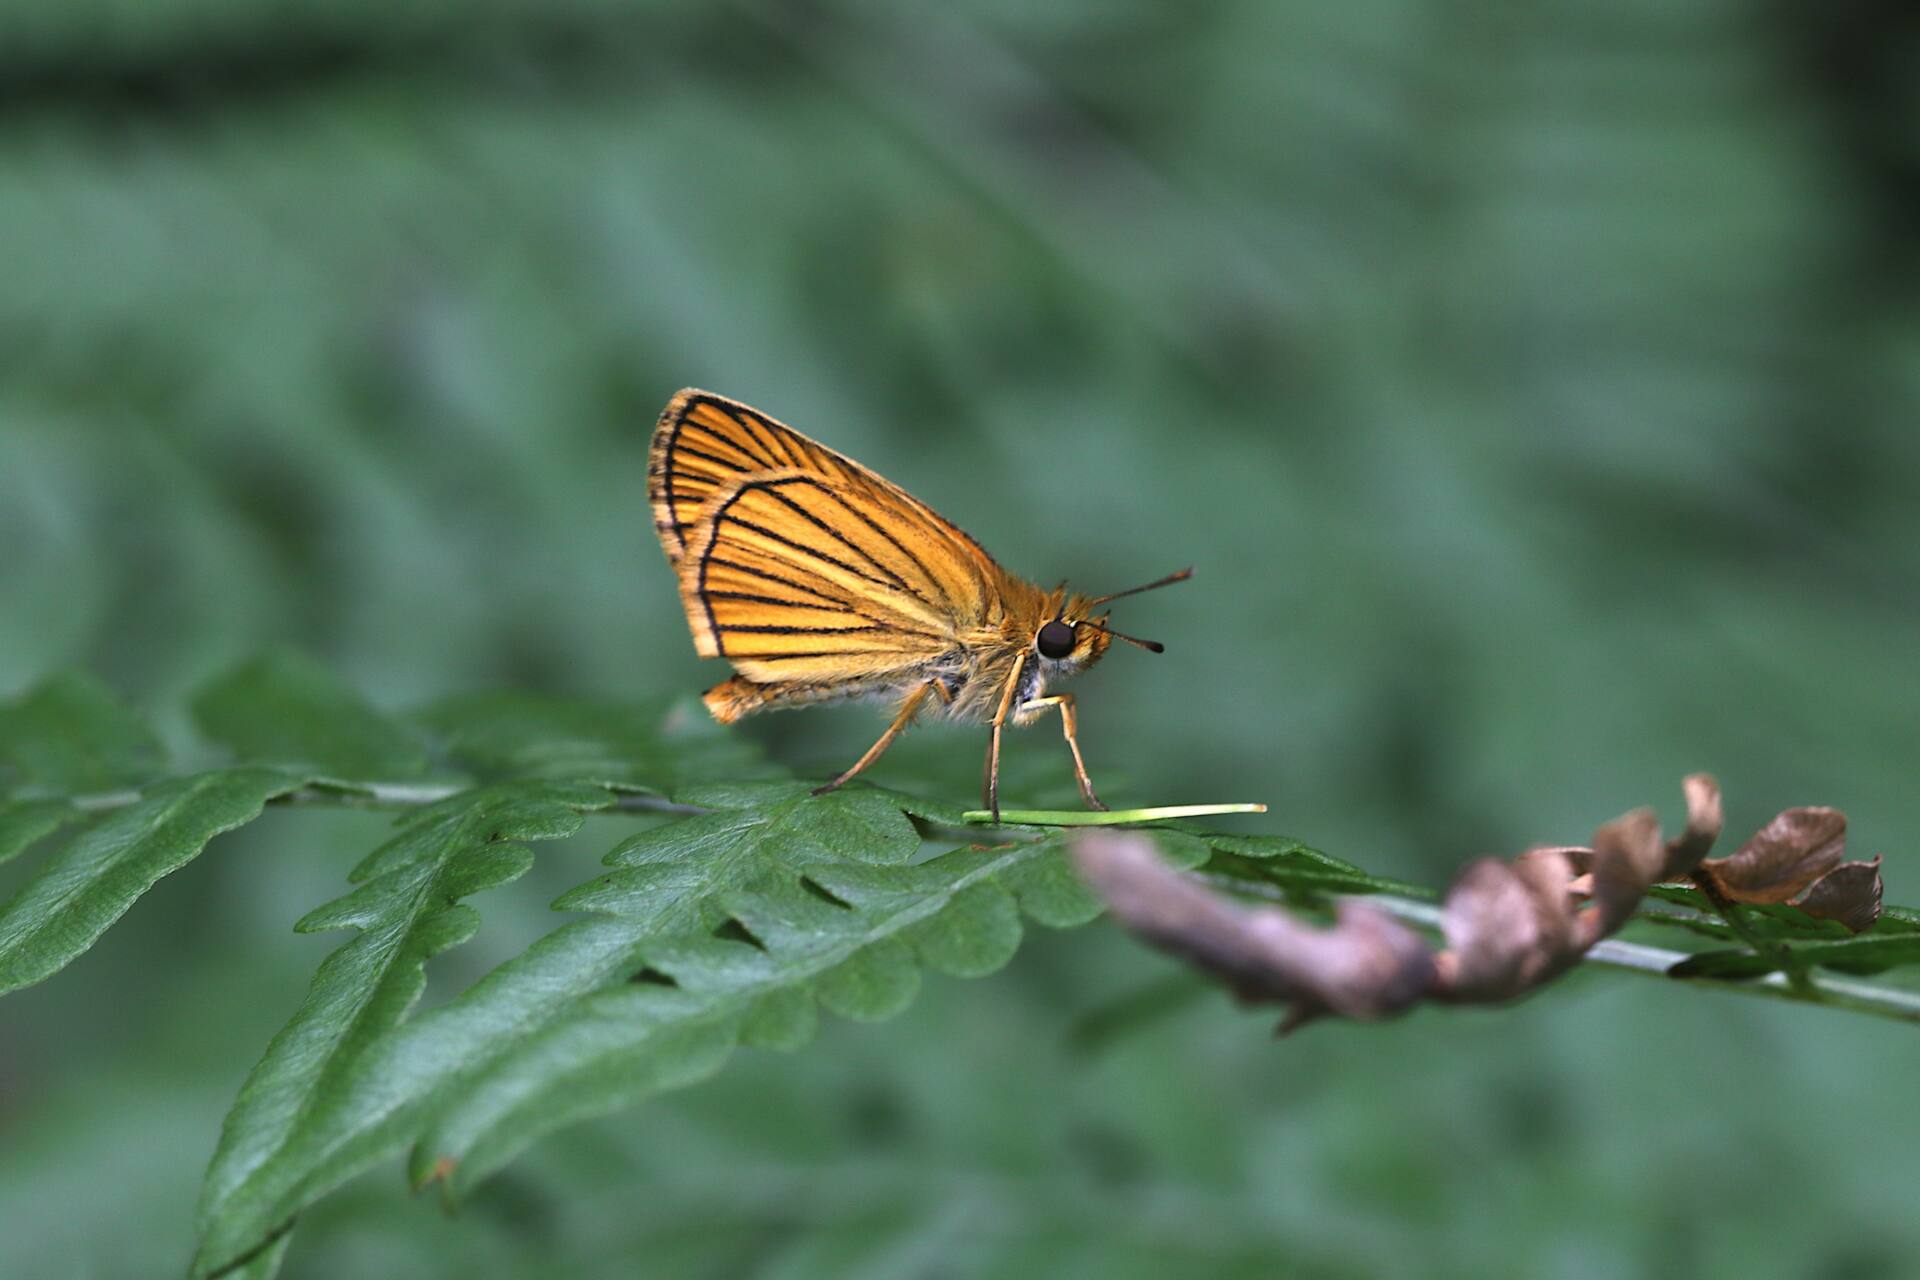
column 1106, row 817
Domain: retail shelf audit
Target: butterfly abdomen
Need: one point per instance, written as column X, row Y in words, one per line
column 731, row 699
column 739, row 696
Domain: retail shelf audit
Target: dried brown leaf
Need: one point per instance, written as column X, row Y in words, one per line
column 1367, row 965
column 1706, row 817
column 1509, row 926
column 1628, row 856
column 1492, row 929
column 1788, row 855
column 1850, row 893
column 1548, row 875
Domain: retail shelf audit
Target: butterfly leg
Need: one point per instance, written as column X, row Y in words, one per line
column 1069, row 726
column 992, row 786
column 908, row 710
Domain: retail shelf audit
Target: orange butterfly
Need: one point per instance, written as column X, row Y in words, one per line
column 819, row 580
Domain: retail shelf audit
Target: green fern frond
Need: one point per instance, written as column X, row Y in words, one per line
column 741, row 907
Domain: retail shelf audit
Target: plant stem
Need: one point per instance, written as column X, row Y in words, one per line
column 1736, row 917
column 386, row 795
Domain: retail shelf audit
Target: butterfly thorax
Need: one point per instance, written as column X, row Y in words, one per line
column 988, row 655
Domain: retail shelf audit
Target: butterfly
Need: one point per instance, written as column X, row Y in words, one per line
column 819, row 580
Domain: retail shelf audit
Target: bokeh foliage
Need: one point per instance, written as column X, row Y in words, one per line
column 1534, row 388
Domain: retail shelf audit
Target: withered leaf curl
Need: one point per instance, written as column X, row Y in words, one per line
column 1850, row 894
column 1366, row 965
column 1509, row 927
column 1799, row 859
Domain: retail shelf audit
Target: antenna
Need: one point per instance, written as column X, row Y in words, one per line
column 1167, row 581
column 1151, row 646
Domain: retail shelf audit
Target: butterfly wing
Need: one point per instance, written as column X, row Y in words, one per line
column 799, row 565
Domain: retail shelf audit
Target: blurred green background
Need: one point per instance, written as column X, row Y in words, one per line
column 1534, row 388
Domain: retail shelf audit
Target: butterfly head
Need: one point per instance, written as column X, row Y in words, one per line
column 1074, row 643
column 1073, row 638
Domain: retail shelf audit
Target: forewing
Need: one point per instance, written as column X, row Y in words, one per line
column 799, row 564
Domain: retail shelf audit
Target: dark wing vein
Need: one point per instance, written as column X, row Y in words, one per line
column 801, row 547
column 933, row 583
column 769, row 576
column 826, row 527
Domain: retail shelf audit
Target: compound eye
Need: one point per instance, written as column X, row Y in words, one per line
column 1055, row 639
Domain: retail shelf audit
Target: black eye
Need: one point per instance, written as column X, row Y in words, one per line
column 1055, row 639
